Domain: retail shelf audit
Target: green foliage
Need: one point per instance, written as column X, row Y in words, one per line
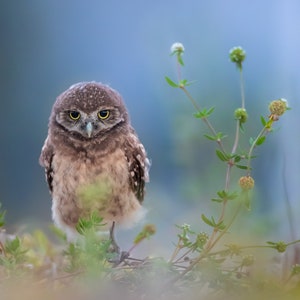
column 211, row 222
column 181, row 84
column 210, row 265
column 14, row 253
column 222, row 155
column 217, row 137
column 258, row 141
column 171, row 82
column 225, row 196
column 279, row 246
column 92, row 252
column 204, row 113
column 90, row 225
column 90, row 256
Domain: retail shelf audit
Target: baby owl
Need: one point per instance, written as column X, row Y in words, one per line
column 93, row 158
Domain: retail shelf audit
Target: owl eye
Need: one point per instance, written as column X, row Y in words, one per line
column 103, row 114
column 74, row 115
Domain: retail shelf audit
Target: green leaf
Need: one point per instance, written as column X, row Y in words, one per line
column 251, row 141
column 204, row 113
column 263, row 121
column 210, row 137
column 260, row 140
column 210, row 110
column 217, row 200
column 183, row 82
column 207, row 221
column 221, row 226
column 236, row 158
column 13, row 245
column 223, row 156
column 96, row 219
column 93, row 223
column 226, row 195
column 171, row 82
column 222, row 194
column 242, row 128
column 213, row 223
column 180, row 60
column 220, row 136
column 242, row 167
column 199, row 115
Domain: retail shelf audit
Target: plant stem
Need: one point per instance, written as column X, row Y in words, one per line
column 176, row 251
column 183, row 255
column 242, row 88
column 210, row 244
column 262, row 132
column 205, row 120
column 178, row 70
column 197, row 107
column 237, row 137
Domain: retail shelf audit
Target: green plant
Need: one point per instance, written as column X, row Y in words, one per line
column 91, row 253
column 202, row 255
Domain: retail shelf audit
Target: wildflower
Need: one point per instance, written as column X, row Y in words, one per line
column 281, row 246
column 277, row 108
column 237, row 55
column 241, row 114
column 177, row 48
column 246, row 183
column 186, row 227
column 202, row 238
column 147, row 231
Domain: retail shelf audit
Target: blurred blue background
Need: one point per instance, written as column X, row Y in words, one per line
column 48, row 45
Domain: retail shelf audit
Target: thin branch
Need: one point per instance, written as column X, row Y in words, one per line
column 242, row 88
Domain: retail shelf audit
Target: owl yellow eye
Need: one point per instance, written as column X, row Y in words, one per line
column 103, row 114
column 74, row 115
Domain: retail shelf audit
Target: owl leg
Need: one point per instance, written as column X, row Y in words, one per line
column 122, row 255
column 115, row 247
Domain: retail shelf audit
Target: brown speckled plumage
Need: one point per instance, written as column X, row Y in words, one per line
column 101, row 166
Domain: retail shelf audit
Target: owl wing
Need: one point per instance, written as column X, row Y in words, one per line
column 138, row 165
column 45, row 161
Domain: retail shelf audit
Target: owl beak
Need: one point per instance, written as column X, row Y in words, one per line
column 89, row 129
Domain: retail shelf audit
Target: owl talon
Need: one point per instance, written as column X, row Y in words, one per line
column 120, row 258
column 124, row 255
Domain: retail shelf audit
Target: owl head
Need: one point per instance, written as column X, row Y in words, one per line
column 88, row 110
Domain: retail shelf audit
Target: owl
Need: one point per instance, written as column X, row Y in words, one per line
column 93, row 159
